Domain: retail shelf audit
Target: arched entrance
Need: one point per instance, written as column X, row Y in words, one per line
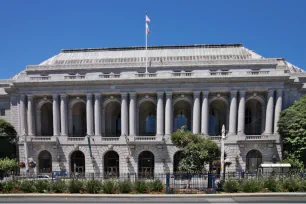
column 44, row 162
column 77, row 162
column 146, row 165
column 113, row 119
column 79, row 120
column 182, row 115
column 176, row 161
column 147, row 119
column 253, row 117
column 46, row 120
column 217, row 117
column 111, row 164
column 253, row 160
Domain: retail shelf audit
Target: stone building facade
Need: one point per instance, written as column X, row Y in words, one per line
column 97, row 111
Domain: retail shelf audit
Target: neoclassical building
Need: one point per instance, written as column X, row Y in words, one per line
column 97, row 111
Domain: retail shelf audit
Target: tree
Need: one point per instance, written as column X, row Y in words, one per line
column 7, row 140
column 292, row 128
column 198, row 150
column 7, row 165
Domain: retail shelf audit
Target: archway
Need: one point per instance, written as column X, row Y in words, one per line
column 46, row 120
column 44, row 162
column 79, row 120
column 146, row 165
column 253, row 160
column 182, row 115
column 112, row 119
column 253, row 117
column 77, row 162
column 111, row 164
column 147, row 119
column 217, row 117
column 176, row 161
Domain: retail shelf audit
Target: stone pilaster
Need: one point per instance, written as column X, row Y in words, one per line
column 124, row 115
column 205, row 113
column 196, row 112
column 160, row 114
column 241, row 113
column 23, row 122
column 233, row 114
column 97, row 114
column 169, row 114
column 278, row 108
column 269, row 112
column 56, row 120
column 31, row 124
column 89, row 114
column 64, row 121
column 132, row 115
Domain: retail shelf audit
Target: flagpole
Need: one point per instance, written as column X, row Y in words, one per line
column 146, row 46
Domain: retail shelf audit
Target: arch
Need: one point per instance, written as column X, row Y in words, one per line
column 147, row 118
column 112, row 115
column 253, row 160
column 79, row 129
column 182, row 114
column 218, row 115
column 253, row 117
column 77, row 162
column 44, row 162
column 44, row 118
column 146, row 99
column 111, row 164
column 258, row 98
column 110, row 100
column 146, row 164
column 186, row 99
column 176, row 160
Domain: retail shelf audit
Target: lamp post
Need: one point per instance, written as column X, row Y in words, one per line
column 222, row 153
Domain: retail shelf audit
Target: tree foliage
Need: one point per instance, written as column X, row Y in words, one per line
column 198, row 150
column 7, row 140
column 6, row 129
column 292, row 128
column 7, row 165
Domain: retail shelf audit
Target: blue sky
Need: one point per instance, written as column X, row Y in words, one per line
column 33, row 30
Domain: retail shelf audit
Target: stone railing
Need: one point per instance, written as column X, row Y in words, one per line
column 258, row 72
column 215, row 138
column 253, row 137
column 109, row 76
column 220, row 73
column 145, row 138
column 182, row 74
column 109, row 139
column 75, row 139
column 145, row 75
column 38, row 139
column 75, row 77
column 38, row 78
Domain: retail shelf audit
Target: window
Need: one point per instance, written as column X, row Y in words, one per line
column 2, row 112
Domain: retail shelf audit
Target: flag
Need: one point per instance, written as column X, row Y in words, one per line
column 147, row 19
column 148, row 29
column 147, row 25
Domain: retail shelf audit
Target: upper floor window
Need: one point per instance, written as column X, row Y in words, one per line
column 2, row 112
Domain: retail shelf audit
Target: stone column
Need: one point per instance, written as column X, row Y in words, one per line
column 23, row 122
column 169, row 114
column 205, row 113
column 263, row 121
column 278, row 108
column 64, row 126
column 56, row 120
column 196, row 112
column 241, row 113
column 132, row 115
column 97, row 114
column 160, row 114
column 31, row 124
column 269, row 112
column 89, row 114
column 124, row 115
column 233, row 114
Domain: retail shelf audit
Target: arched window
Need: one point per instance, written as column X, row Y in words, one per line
column 77, row 160
column 111, row 164
column 180, row 121
column 46, row 119
column 79, row 120
column 253, row 160
column 182, row 115
column 217, row 117
column 147, row 119
column 112, row 119
column 146, row 165
column 253, row 118
column 151, row 124
column 176, row 161
column 44, row 162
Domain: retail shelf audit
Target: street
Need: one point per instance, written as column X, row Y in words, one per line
column 249, row 200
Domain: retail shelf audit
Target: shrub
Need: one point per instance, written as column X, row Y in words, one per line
column 125, row 186
column 43, row 186
column 156, row 186
column 292, row 184
column 59, row 186
column 231, row 186
column 27, row 186
column 303, row 185
column 271, row 184
column 76, row 186
column 141, row 186
column 93, row 186
column 251, row 185
column 109, row 187
column 11, row 187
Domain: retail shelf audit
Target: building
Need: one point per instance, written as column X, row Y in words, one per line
column 103, row 96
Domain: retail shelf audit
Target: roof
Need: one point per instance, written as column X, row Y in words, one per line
column 275, row 165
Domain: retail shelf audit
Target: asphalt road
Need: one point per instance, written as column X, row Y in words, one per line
column 160, row 200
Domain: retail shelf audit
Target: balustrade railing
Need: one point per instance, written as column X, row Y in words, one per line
column 41, row 139
column 75, row 139
column 75, row 77
column 109, row 76
column 220, row 73
column 258, row 72
column 253, row 137
column 182, row 74
column 145, row 75
column 40, row 78
column 110, row 139
column 145, row 138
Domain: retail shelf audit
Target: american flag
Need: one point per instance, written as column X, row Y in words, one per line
column 147, row 25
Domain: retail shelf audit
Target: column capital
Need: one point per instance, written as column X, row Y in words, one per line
column 88, row 95
column 205, row 93
column 63, row 95
column 233, row 92
column 168, row 93
column 22, row 95
column 279, row 91
column 132, row 94
column 54, row 95
column 271, row 91
column 97, row 94
column 160, row 93
column 242, row 92
column 30, row 96
column 196, row 93
column 124, row 94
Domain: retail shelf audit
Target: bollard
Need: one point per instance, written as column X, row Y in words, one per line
column 167, row 183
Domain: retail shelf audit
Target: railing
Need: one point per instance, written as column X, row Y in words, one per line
column 41, row 139
column 220, row 73
column 40, row 78
column 215, row 138
column 182, row 74
column 253, row 137
column 109, row 76
column 110, row 139
column 75, row 77
column 145, row 138
column 258, row 72
column 75, row 139
column 144, row 75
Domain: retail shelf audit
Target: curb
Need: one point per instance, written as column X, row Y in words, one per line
column 229, row 195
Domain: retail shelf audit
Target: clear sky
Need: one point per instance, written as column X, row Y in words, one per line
column 32, row 31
